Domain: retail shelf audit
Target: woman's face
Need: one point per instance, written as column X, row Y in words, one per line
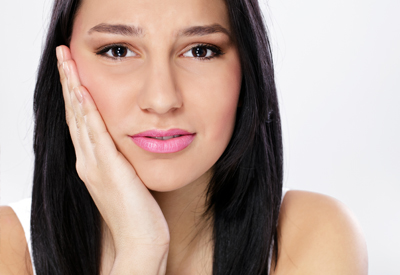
column 161, row 65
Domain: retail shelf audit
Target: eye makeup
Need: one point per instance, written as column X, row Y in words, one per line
column 119, row 51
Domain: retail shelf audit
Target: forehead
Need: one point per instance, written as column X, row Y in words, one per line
column 153, row 15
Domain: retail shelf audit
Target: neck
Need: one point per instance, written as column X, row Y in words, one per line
column 190, row 233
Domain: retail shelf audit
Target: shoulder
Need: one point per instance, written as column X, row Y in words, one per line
column 14, row 253
column 317, row 234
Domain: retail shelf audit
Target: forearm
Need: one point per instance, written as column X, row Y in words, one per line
column 141, row 261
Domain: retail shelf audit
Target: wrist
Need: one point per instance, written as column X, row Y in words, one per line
column 141, row 259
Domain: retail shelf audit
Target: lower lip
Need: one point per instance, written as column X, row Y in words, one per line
column 172, row 145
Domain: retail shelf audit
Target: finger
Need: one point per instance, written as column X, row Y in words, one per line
column 64, row 82
column 71, row 77
column 69, row 112
column 82, row 135
column 62, row 54
column 72, row 74
column 103, row 145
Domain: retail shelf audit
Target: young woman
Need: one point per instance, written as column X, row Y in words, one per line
column 159, row 151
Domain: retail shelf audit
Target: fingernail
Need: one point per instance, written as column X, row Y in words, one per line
column 59, row 54
column 66, row 69
column 78, row 94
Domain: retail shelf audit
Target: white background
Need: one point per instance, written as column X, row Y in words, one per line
column 337, row 70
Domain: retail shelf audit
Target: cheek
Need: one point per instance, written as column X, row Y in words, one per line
column 93, row 78
column 210, row 95
column 217, row 100
column 109, row 88
column 210, row 91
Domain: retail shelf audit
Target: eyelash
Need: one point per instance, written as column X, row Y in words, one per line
column 216, row 51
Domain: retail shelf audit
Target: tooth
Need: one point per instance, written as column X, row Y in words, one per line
column 166, row 138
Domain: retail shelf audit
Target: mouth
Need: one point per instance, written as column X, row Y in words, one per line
column 165, row 138
column 162, row 142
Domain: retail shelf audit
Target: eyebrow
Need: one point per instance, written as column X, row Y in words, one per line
column 129, row 30
column 117, row 29
column 204, row 30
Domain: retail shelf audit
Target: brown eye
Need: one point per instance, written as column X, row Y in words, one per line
column 199, row 52
column 119, row 51
column 116, row 52
column 203, row 52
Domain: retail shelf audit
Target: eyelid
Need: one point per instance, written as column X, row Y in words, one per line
column 217, row 51
column 104, row 49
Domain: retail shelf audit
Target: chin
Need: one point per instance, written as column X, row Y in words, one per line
column 162, row 186
column 162, row 183
column 168, row 181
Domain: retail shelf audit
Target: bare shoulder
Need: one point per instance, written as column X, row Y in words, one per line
column 317, row 234
column 14, row 253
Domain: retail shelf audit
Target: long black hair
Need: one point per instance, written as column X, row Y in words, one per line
column 243, row 196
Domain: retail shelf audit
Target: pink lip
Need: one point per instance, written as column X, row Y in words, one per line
column 146, row 140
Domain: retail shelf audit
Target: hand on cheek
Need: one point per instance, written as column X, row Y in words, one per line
column 109, row 177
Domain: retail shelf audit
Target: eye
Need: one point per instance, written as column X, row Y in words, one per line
column 203, row 51
column 116, row 52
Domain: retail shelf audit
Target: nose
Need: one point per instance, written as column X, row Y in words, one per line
column 159, row 94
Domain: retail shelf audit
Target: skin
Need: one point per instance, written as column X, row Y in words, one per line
column 318, row 235
column 161, row 85
column 157, row 87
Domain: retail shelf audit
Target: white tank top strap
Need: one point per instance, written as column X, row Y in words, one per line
column 22, row 209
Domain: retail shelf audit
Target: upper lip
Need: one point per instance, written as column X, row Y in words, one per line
column 162, row 133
